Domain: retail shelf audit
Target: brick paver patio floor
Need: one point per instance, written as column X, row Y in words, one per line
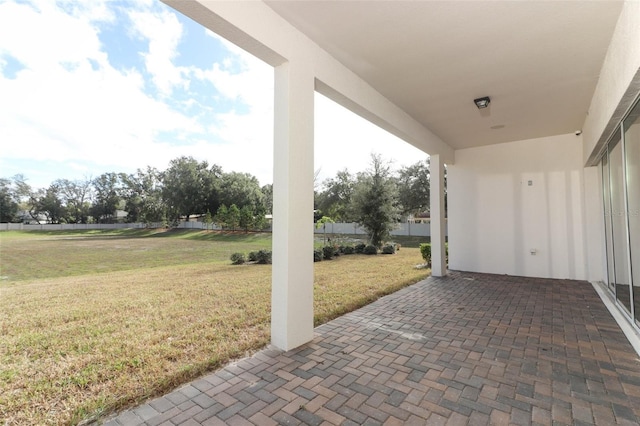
column 467, row 349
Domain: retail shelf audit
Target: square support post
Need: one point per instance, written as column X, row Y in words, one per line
column 292, row 276
column 438, row 225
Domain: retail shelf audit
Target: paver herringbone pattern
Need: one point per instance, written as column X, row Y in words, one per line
column 467, row 349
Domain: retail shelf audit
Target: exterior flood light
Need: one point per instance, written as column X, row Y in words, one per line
column 482, row 102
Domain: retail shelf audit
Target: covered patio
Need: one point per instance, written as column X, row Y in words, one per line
column 541, row 201
column 463, row 349
column 531, row 107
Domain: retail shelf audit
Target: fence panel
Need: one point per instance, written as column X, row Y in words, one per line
column 74, row 226
column 404, row 229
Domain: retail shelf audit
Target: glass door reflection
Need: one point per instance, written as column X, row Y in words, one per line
column 632, row 153
column 606, row 186
column 619, row 225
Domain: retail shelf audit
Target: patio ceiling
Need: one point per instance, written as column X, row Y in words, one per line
column 539, row 61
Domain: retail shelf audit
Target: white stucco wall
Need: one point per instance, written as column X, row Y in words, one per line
column 496, row 217
column 618, row 85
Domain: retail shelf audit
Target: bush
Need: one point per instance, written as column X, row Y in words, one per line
column 264, row 257
column 425, row 251
column 359, row 248
column 370, row 249
column 253, row 256
column 328, row 252
column 389, row 249
column 349, row 250
column 237, row 259
column 317, row 255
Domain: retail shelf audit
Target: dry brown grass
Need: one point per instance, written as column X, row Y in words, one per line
column 349, row 282
column 74, row 348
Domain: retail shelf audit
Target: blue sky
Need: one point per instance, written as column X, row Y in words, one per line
column 95, row 86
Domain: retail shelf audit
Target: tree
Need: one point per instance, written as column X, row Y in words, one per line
column 267, row 192
column 246, row 218
column 142, row 194
column 322, row 222
column 208, row 219
column 190, row 187
column 241, row 189
column 75, row 196
column 413, row 188
column 259, row 219
column 335, row 198
column 8, row 204
column 228, row 217
column 233, row 218
column 15, row 194
column 107, row 197
column 222, row 216
column 21, row 189
column 375, row 201
column 47, row 202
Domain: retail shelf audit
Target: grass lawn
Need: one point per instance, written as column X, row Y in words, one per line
column 95, row 321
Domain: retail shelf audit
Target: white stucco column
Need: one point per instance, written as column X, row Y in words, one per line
column 292, row 279
column 438, row 255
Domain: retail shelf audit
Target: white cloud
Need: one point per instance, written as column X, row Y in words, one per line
column 248, row 134
column 82, row 113
column 163, row 32
column 70, row 107
column 59, row 38
column 94, row 10
column 61, row 108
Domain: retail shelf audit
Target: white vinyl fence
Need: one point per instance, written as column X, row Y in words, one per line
column 404, row 229
column 78, row 226
column 407, row 229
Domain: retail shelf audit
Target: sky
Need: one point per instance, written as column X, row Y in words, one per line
column 95, row 86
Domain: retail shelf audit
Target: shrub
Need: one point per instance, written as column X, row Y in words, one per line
column 237, row 259
column 328, row 252
column 389, row 249
column 359, row 248
column 253, row 256
column 370, row 249
column 264, row 257
column 349, row 250
column 425, row 251
column 317, row 255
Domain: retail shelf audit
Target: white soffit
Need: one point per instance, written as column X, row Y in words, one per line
column 539, row 61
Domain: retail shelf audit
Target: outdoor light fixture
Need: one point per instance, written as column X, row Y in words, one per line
column 482, row 102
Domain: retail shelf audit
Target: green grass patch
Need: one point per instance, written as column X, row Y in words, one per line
column 78, row 342
column 49, row 254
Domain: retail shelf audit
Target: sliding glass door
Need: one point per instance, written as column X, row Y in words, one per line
column 608, row 225
column 620, row 265
column 631, row 128
column 621, row 199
